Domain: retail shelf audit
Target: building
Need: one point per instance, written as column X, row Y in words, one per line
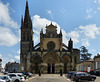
column 97, row 63
column 12, row 67
column 50, row 54
column 85, row 66
column 0, row 65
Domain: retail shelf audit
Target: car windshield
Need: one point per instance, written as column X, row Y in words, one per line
column 81, row 74
column 20, row 75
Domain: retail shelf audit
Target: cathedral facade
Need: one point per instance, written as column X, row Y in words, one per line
column 50, row 54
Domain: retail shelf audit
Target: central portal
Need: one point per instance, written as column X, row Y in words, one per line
column 51, row 68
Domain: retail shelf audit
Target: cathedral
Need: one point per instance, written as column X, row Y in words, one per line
column 50, row 54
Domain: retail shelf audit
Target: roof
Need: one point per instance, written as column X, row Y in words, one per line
column 90, row 60
column 98, row 56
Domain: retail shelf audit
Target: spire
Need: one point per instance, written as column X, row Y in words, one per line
column 70, row 39
column 27, row 19
column 22, row 21
column 27, row 10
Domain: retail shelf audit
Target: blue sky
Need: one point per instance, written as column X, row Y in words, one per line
column 78, row 19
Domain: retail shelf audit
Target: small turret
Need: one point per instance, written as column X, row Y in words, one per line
column 70, row 45
column 60, row 32
column 41, row 30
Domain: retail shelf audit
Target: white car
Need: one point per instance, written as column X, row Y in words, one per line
column 21, row 75
column 6, row 78
column 2, row 80
column 15, row 77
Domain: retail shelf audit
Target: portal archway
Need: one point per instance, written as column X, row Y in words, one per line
column 67, row 62
column 51, row 59
column 37, row 60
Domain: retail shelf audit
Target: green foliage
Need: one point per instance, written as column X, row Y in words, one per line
column 84, row 53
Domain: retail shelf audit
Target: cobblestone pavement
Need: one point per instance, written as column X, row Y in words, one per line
column 49, row 78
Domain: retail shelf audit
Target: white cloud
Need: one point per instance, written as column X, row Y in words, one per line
column 7, row 37
column 85, row 42
column 9, row 55
column 39, row 23
column 17, row 57
column 5, row 18
column 12, row 60
column 89, row 16
column 89, row 10
column 90, row 30
column 6, row 60
column 96, row 1
column 74, row 35
column 1, row 56
column 18, row 52
column 65, row 40
column 50, row 13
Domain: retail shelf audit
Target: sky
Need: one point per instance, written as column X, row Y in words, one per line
column 78, row 19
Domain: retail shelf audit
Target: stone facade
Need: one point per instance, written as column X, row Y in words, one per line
column 12, row 67
column 50, row 54
column 97, row 63
column 86, row 66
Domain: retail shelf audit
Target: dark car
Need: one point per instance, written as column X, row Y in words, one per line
column 79, row 76
column 27, row 74
column 70, row 74
column 93, row 72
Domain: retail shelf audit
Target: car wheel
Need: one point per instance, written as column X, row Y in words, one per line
column 79, row 80
column 92, row 79
column 17, row 80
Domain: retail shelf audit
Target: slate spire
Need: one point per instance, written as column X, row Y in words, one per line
column 22, row 21
column 27, row 19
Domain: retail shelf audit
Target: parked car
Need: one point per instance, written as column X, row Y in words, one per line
column 15, row 77
column 79, row 76
column 70, row 74
column 21, row 75
column 27, row 74
column 93, row 72
column 98, row 73
column 5, row 72
column 2, row 80
column 6, row 78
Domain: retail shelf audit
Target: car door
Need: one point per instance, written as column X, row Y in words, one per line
column 82, row 77
column 86, row 76
column 13, row 77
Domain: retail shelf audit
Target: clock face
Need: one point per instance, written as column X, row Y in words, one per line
column 50, row 45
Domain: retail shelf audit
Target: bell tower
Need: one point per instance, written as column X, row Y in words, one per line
column 26, row 32
column 70, row 45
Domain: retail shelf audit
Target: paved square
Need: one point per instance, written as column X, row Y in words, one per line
column 49, row 78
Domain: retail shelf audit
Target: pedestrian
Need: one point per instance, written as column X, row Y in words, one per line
column 25, row 77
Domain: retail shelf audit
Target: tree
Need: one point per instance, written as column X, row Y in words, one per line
column 84, row 53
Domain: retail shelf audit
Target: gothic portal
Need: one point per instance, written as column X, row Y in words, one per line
column 50, row 54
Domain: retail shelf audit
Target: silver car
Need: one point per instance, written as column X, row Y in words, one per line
column 6, row 78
